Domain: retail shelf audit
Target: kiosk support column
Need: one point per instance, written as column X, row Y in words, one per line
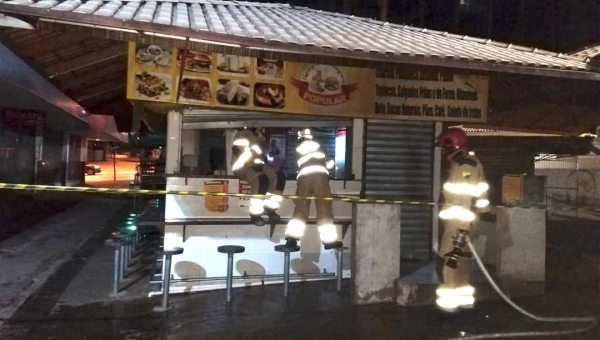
column 174, row 126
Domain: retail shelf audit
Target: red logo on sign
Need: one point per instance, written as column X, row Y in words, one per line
column 324, row 85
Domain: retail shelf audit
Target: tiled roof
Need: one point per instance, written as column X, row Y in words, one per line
column 589, row 52
column 307, row 27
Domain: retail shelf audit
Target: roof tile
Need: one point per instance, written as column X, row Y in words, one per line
column 299, row 25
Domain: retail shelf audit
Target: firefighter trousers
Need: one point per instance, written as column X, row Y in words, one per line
column 458, row 277
column 316, row 185
column 262, row 179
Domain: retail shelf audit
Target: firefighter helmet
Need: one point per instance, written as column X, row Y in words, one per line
column 243, row 137
column 453, row 139
column 305, row 134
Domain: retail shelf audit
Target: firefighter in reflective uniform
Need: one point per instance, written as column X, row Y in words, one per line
column 465, row 194
column 248, row 164
column 313, row 180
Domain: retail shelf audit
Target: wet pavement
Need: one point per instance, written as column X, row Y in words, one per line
column 312, row 311
column 37, row 254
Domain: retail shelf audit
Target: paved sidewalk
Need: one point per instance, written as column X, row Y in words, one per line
column 31, row 257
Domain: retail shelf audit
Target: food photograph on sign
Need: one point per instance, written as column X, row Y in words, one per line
column 233, row 64
column 153, row 56
column 153, row 86
column 195, row 61
column 270, row 96
column 195, row 90
column 269, row 68
column 233, row 92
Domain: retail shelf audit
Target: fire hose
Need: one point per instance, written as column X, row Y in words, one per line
column 591, row 321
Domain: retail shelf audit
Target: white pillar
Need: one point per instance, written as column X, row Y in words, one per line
column 190, row 142
column 174, row 126
column 39, row 148
column 358, row 133
column 65, row 158
column 84, row 149
column 376, row 252
column 520, row 235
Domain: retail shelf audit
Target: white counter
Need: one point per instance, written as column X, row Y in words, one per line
column 201, row 259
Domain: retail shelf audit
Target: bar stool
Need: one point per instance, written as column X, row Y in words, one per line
column 339, row 249
column 167, row 253
column 282, row 248
column 230, row 250
column 127, row 236
column 122, row 243
column 118, row 265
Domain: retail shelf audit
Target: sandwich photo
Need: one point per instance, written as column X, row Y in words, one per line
column 233, row 92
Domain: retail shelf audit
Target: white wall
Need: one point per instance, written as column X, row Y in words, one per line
column 201, row 259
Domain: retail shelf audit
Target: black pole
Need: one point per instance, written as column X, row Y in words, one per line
column 363, row 175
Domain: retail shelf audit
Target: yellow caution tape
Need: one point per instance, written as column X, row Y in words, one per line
column 9, row 186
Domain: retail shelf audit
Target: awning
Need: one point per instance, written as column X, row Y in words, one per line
column 216, row 119
column 29, row 90
column 283, row 28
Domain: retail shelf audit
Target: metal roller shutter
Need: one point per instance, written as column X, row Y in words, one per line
column 399, row 165
column 324, row 136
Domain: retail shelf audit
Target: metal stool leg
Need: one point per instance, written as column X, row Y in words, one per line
column 286, row 273
column 121, row 262
column 229, row 276
column 166, row 282
column 117, row 270
column 136, row 240
column 340, row 266
column 127, row 255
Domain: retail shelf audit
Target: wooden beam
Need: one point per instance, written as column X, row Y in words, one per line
column 71, row 82
column 108, row 90
column 571, row 119
column 57, row 43
column 100, row 101
column 92, row 92
column 86, row 60
column 110, row 102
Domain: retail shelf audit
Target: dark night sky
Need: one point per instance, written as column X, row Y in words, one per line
column 563, row 26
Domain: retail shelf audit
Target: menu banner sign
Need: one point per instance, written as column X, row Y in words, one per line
column 240, row 82
column 431, row 96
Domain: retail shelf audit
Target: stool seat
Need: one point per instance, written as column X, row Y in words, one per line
column 231, row 249
column 172, row 251
column 282, row 248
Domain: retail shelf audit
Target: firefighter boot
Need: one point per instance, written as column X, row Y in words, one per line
column 257, row 220
column 333, row 245
column 291, row 242
column 273, row 216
